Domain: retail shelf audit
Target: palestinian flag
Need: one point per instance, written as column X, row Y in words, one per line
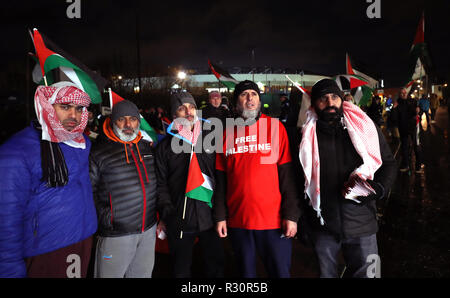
column 148, row 133
column 199, row 186
column 348, row 82
column 363, row 93
column 50, row 61
column 419, row 58
column 223, row 76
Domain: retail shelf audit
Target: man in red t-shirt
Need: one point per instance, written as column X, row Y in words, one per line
column 256, row 198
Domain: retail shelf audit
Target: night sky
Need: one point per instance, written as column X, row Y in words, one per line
column 309, row 35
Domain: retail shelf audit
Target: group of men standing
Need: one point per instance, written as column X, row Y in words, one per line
column 57, row 191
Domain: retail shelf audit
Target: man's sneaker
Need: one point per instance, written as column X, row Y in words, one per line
column 404, row 169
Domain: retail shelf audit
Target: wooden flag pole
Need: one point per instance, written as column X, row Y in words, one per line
column 185, row 197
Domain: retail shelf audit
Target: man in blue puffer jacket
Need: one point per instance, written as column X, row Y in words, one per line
column 47, row 212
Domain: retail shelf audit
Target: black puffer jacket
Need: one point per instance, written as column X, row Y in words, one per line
column 172, row 172
column 125, row 199
column 338, row 159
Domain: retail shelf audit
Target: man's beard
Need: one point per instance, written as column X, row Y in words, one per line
column 248, row 115
column 124, row 136
column 330, row 117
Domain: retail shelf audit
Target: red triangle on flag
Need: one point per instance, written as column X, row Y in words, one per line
column 195, row 177
column 355, row 83
column 115, row 98
column 42, row 52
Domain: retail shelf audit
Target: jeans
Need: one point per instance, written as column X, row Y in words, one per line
column 359, row 253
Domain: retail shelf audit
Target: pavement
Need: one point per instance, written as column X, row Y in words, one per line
column 414, row 234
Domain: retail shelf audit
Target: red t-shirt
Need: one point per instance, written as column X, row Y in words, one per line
column 250, row 158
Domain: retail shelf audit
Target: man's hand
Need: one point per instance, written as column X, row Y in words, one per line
column 221, row 228
column 289, row 228
column 161, row 230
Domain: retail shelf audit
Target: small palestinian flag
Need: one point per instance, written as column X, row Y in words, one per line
column 223, row 76
column 49, row 61
column 199, row 186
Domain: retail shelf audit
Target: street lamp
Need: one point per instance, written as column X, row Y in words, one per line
column 181, row 75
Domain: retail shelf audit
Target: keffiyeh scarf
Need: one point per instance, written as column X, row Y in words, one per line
column 52, row 129
column 364, row 137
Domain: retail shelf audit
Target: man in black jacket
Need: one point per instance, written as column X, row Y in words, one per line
column 214, row 108
column 340, row 216
column 185, row 216
column 405, row 114
column 122, row 173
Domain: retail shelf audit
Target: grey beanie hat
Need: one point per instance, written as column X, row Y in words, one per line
column 125, row 108
column 179, row 98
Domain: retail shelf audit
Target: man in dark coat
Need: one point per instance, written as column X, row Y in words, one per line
column 184, row 215
column 343, row 181
column 405, row 114
column 214, row 108
column 123, row 179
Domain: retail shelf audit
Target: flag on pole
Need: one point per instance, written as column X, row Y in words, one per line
column 199, row 185
column 148, row 133
column 419, row 58
column 362, row 94
column 50, row 60
column 348, row 82
column 223, row 76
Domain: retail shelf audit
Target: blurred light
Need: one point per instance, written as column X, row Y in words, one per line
column 181, row 75
column 119, row 77
column 137, row 89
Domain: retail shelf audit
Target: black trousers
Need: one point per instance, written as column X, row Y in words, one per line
column 181, row 252
column 408, row 140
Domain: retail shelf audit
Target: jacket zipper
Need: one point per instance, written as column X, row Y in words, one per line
column 110, row 204
column 142, row 186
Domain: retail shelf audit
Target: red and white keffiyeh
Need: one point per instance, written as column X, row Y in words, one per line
column 52, row 129
column 364, row 136
column 184, row 129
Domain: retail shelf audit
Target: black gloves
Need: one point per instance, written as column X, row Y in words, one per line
column 379, row 192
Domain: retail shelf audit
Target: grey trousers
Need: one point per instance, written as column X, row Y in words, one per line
column 130, row 256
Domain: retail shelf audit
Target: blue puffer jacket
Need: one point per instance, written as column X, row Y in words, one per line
column 36, row 219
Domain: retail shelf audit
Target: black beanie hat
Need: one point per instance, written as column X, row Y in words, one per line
column 125, row 108
column 325, row 86
column 179, row 98
column 244, row 85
